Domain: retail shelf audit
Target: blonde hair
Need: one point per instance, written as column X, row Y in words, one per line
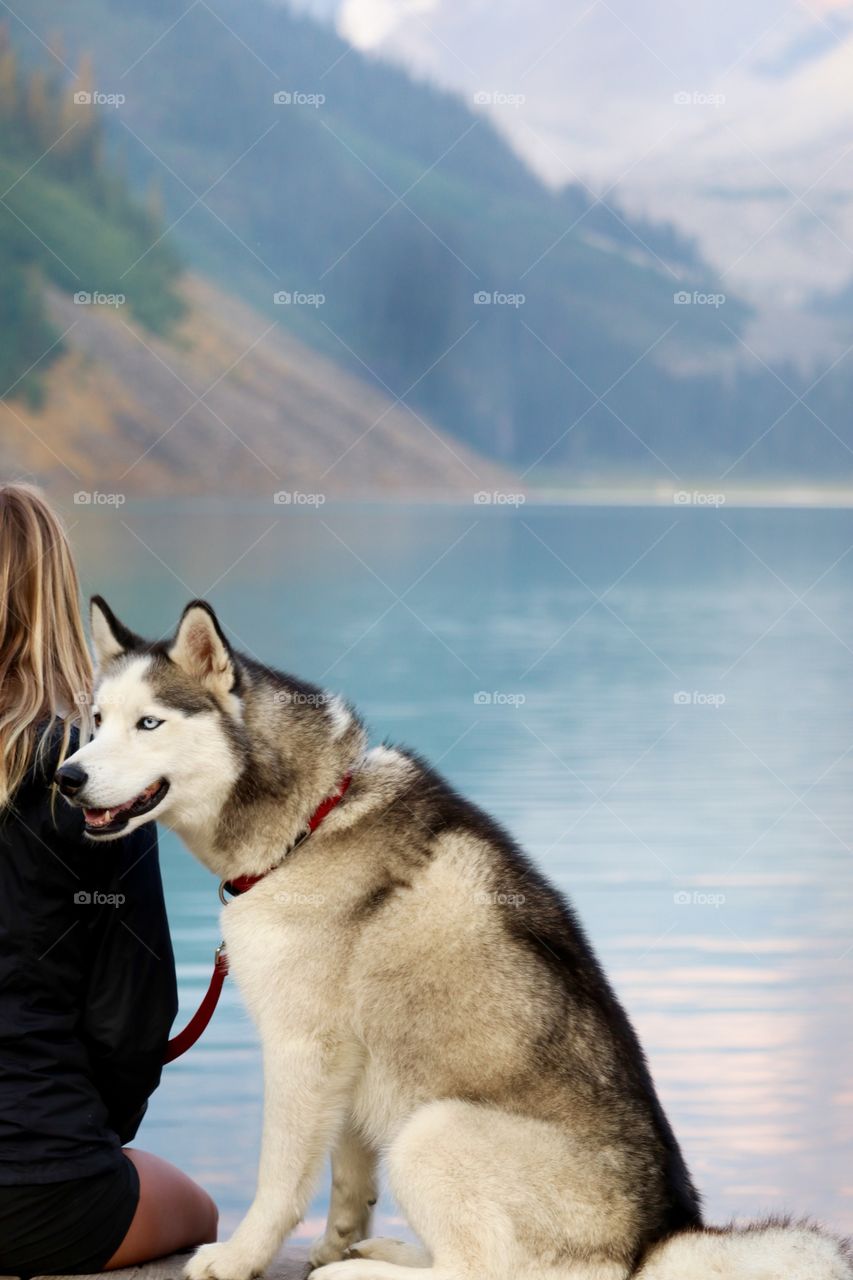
column 45, row 668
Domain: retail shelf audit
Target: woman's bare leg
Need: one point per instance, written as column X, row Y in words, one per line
column 173, row 1213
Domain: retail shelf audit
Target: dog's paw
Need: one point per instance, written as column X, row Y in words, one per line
column 327, row 1250
column 382, row 1249
column 222, row 1262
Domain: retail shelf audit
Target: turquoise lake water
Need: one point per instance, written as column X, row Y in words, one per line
column 664, row 721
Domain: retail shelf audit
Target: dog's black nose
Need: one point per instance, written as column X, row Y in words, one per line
column 70, row 779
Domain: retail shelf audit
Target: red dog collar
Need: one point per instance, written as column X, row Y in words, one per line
column 241, row 884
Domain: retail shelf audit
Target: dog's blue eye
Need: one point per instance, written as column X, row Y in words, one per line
column 149, row 722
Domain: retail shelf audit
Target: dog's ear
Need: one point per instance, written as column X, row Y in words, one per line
column 110, row 638
column 201, row 650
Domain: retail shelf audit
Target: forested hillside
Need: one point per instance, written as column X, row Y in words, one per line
column 542, row 328
column 67, row 217
column 399, row 205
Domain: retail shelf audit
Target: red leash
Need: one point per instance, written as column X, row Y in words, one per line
column 198, row 1023
column 200, row 1020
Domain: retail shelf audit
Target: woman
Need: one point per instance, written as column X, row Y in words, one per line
column 87, row 977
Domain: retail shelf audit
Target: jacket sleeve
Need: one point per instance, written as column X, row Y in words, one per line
column 132, row 999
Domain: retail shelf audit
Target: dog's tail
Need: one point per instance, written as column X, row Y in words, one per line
column 776, row 1249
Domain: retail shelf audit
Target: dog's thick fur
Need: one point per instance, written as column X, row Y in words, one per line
column 421, row 993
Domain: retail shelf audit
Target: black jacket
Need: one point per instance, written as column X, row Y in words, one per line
column 87, row 988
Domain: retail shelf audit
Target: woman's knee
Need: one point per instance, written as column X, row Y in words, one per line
column 208, row 1216
column 173, row 1212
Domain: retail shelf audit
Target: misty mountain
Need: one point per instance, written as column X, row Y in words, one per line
column 398, row 206
column 406, row 238
column 730, row 120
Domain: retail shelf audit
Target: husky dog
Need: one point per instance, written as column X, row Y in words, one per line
column 421, row 993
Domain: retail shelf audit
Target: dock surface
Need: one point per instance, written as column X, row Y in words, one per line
column 289, row 1265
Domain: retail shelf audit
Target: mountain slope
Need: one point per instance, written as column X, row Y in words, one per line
column 605, row 348
column 399, row 205
column 227, row 404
